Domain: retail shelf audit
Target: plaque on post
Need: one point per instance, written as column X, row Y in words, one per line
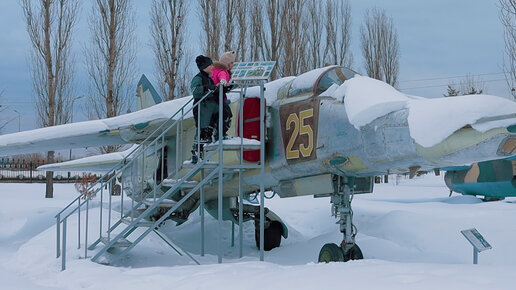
column 477, row 241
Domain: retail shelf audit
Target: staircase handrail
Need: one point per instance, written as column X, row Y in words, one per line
column 169, row 192
column 122, row 164
column 124, row 160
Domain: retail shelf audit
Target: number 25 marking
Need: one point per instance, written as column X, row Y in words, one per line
column 300, row 129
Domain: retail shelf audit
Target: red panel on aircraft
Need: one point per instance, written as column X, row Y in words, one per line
column 251, row 130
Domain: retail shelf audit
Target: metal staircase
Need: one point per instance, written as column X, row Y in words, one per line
column 154, row 195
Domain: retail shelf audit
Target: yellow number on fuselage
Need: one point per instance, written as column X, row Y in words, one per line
column 300, row 129
column 306, row 130
column 292, row 154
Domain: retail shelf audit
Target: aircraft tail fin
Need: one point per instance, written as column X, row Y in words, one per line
column 146, row 94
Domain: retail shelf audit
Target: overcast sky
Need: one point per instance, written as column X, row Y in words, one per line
column 439, row 39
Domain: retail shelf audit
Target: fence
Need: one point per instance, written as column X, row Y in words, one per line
column 20, row 170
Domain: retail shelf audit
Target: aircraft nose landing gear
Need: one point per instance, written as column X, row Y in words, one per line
column 341, row 200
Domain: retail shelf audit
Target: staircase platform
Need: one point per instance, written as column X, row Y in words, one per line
column 144, row 223
column 235, row 143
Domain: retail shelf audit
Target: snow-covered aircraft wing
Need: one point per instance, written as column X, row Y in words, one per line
column 99, row 163
column 128, row 128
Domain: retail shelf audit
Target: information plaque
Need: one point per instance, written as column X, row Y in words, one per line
column 255, row 70
column 476, row 239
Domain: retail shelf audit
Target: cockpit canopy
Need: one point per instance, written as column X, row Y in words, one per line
column 314, row 82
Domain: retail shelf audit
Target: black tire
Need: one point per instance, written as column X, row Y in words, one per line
column 331, row 253
column 353, row 254
column 271, row 237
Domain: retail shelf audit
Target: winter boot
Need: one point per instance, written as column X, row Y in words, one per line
column 195, row 159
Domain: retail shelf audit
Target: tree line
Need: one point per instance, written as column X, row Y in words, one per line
column 299, row 34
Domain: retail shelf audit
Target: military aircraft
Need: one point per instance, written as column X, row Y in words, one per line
column 492, row 180
column 329, row 132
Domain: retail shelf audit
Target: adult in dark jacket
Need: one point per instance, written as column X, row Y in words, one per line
column 201, row 85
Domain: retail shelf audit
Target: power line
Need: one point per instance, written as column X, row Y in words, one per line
column 453, row 77
column 445, row 85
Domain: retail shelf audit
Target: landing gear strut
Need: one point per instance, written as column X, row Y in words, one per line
column 341, row 209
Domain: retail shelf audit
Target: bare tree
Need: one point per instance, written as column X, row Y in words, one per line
column 242, row 25
column 184, row 74
column 168, row 28
column 50, row 27
column 256, row 31
column 508, row 18
column 210, row 33
column 294, row 36
column 315, row 24
column 338, row 33
column 391, row 51
column 110, row 59
column 3, row 122
column 227, row 21
column 271, row 40
column 471, row 85
column 328, row 27
column 380, row 47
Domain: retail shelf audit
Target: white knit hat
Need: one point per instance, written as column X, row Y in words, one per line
column 227, row 57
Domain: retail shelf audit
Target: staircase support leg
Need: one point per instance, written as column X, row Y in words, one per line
column 202, row 215
column 262, row 169
column 232, row 234
column 86, row 228
column 79, row 223
column 221, row 171
column 240, row 216
column 58, row 233
column 219, row 207
column 63, row 257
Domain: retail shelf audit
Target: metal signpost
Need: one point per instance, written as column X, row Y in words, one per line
column 477, row 241
column 246, row 74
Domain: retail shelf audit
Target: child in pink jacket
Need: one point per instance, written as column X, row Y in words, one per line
column 221, row 74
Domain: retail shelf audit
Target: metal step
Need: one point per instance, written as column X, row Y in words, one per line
column 169, row 182
column 209, row 164
column 144, row 223
column 121, row 243
column 164, row 203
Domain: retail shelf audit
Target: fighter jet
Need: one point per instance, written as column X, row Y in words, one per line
column 329, row 131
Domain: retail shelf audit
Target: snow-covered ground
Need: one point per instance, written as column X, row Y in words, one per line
column 409, row 234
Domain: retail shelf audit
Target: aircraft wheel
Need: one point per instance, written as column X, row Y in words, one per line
column 331, row 253
column 271, row 238
column 353, row 254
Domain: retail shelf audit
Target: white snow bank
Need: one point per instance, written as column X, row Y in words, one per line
column 430, row 120
column 409, row 234
column 367, row 99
